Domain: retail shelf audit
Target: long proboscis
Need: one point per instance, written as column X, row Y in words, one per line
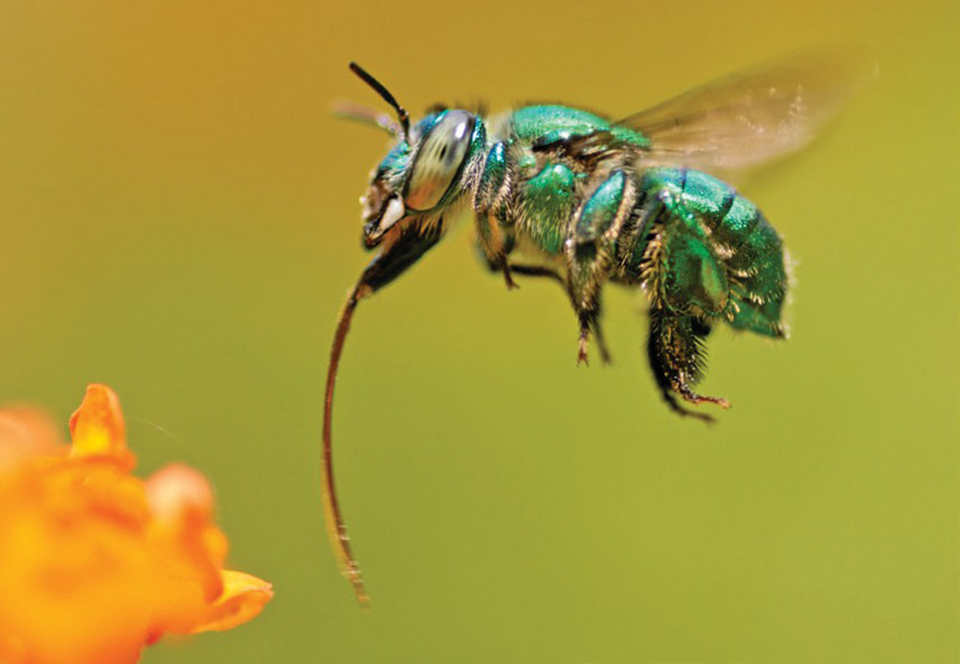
column 336, row 528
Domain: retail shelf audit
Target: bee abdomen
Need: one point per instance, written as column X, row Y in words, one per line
column 751, row 250
column 720, row 227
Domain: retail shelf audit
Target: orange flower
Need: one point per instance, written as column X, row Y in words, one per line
column 94, row 562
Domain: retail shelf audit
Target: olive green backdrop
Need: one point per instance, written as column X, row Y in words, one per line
column 179, row 219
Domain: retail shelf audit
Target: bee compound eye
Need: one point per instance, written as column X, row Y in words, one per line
column 439, row 159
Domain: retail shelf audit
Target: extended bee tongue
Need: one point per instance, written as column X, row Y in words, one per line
column 336, row 528
column 393, row 259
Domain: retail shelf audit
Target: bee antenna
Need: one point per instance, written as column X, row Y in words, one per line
column 385, row 94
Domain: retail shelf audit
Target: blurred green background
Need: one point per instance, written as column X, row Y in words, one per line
column 179, row 220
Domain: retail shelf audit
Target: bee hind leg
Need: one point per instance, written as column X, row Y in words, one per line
column 677, row 357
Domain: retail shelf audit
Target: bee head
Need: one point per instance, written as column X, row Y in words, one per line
column 421, row 174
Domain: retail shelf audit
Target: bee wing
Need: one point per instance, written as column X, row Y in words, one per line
column 750, row 117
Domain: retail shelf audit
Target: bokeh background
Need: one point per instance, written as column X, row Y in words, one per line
column 179, row 219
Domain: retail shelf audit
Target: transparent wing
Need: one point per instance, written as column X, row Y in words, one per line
column 752, row 116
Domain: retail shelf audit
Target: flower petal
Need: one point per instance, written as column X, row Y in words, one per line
column 98, row 429
column 94, row 562
column 243, row 598
column 177, row 491
column 26, row 433
column 190, row 548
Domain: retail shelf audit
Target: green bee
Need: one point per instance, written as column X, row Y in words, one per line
column 570, row 195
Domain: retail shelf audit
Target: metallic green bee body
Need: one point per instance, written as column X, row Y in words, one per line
column 563, row 193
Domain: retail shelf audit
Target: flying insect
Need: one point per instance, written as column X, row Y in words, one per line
column 566, row 194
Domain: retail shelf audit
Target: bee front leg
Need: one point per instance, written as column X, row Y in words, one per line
column 497, row 262
column 496, row 238
column 495, row 228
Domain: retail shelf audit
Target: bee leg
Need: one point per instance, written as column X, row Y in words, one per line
column 537, row 271
column 589, row 247
column 677, row 357
column 582, row 341
column 495, row 239
column 508, row 276
column 589, row 318
column 501, row 265
column 601, row 341
column 589, row 322
column 586, row 280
